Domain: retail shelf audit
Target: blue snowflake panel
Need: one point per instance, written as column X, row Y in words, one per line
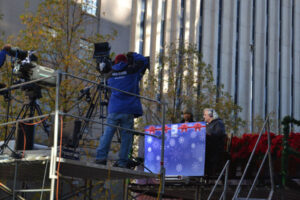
column 184, row 149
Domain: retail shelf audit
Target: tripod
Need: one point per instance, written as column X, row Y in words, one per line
column 100, row 96
column 33, row 92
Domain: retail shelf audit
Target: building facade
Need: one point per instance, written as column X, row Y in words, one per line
column 253, row 46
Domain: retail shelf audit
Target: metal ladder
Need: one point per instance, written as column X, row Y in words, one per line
column 224, row 170
column 266, row 126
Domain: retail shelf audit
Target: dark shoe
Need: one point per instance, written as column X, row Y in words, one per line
column 118, row 165
column 100, row 162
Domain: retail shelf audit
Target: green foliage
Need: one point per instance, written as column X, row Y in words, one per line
column 62, row 35
column 258, row 123
column 186, row 81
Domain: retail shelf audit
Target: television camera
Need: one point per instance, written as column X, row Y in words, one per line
column 27, row 69
column 101, row 54
column 104, row 63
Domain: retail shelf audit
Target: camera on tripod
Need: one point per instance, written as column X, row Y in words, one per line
column 101, row 54
column 27, row 69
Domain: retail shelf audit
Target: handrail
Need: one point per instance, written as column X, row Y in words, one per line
column 56, row 113
column 268, row 153
column 26, row 83
column 112, row 88
column 106, row 124
column 226, row 167
column 52, row 174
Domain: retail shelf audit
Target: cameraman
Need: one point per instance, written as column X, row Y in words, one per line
column 126, row 74
column 3, row 53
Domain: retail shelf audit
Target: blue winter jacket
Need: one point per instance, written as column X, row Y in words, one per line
column 2, row 57
column 127, row 77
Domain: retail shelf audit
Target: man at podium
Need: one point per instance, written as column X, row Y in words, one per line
column 215, row 141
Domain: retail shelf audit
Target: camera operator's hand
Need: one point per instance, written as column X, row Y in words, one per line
column 130, row 58
column 130, row 54
column 3, row 53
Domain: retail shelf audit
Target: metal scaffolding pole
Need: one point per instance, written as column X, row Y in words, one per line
column 162, row 167
column 53, row 158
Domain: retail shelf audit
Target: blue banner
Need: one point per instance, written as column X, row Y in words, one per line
column 184, row 149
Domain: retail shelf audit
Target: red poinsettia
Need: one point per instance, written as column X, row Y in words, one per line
column 241, row 147
column 294, row 142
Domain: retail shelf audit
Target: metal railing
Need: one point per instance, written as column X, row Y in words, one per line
column 224, row 170
column 57, row 113
column 267, row 154
column 53, row 175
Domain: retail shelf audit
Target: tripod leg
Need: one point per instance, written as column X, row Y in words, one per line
column 89, row 113
column 27, row 132
column 11, row 133
column 45, row 124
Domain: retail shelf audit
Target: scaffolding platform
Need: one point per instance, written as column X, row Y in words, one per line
column 33, row 168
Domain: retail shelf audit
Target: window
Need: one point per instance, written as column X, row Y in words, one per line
column 89, row 6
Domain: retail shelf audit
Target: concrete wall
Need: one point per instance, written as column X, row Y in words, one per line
column 11, row 11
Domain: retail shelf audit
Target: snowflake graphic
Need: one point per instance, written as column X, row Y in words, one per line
column 157, row 158
column 193, row 134
column 193, row 145
column 181, row 140
column 196, row 166
column 172, row 142
column 200, row 158
column 149, row 140
column 179, row 167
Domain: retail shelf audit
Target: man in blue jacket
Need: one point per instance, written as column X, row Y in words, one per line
column 3, row 54
column 122, row 108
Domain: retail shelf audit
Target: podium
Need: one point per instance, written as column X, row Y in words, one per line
column 184, row 148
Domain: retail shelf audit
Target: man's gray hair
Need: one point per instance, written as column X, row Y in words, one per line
column 212, row 113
